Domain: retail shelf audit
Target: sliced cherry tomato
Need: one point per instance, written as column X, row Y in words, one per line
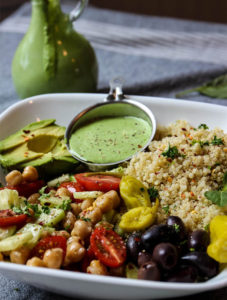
column 26, row 189
column 108, row 247
column 103, row 183
column 10, row 218
column 89, row 256
column 73, row 187
column 49, row 242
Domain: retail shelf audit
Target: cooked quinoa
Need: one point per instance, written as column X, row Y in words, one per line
column 182, row 181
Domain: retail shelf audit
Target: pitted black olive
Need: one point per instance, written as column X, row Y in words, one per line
column 144, row 257
column 184, row 274
column 134, row 246
column 178, row 226
column 155, row 235
column 166, row 255
column 206, row 265
column 149, row 271
column 198, row 240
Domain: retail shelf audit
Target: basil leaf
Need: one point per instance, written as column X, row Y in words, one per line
column 225, row 182
column 213, row 196
column 223, row 199
column 217, row 197
column 216, row 88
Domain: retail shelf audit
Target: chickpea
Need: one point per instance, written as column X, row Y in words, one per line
column 82, row 229
column 36, row 262
column 63, row 192
column 53, row 258
column 114, row 197
column 75, row 239
column 74, row 253
column 34, row 198
column 30, row 174
column 1, row 257
column 96, row 267
column 14, row 178
column 75, row 208
column 19, row 256
column 104, row 202
column 94, row 214
column 63, row 233
column 86, row 203
column 69, row 220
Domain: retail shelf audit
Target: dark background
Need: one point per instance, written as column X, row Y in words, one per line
column 202, row 10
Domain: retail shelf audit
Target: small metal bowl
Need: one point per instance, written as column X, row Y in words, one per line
column 114, row 105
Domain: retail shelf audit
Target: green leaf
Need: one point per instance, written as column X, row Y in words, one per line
column 225, row 182
column 216, row 88
column 153, row 193
column 217, row 197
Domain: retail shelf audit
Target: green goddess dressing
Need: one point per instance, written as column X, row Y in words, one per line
column 110, row 139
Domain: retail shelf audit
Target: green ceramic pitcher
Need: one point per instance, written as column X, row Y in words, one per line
column 53, row 57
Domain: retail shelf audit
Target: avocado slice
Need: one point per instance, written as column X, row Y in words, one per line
column 43, row 148
column 19, row 137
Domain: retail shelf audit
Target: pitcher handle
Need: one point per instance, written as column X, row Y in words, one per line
column 78, row 10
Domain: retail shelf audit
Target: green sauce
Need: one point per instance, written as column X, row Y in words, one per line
column 110, row 139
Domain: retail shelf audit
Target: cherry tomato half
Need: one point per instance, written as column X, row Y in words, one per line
column 10, row 218
column 89, row 256
column 73, row 187
column 103, row 183
column 26, row 189
column 108, row 247
column 49, row 242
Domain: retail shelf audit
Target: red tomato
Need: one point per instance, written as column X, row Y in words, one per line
column 108, row 247
column 49, row 242
column 89, row 256
column 9, row 218
column 73, row 187
column 26, row 189
column 103, row 183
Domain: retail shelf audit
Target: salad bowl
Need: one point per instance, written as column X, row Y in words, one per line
column 63, row 107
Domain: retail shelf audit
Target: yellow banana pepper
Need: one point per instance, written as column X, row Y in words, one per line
column 139, row 218
column 134, row 193
column 218, row 235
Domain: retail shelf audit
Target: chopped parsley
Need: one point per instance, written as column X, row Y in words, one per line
column 166, row 209
column 85, row 219
column 206, row 227
column 176, row 227
column 205, row 143
column 217, row 141
column 46, row 209
column 153, row 193
column 66, row 205
column 142, row 189
column 204, row 126
column 172, row 152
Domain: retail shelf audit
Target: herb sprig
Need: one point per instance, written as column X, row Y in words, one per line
column 172, row 152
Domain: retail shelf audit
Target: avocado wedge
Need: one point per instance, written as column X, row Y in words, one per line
column 40, row 145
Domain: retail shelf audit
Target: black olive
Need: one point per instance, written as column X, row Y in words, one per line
column 165, row 254
column 178, row 226
column 144, row 257
column 155, row 235
column 149, row 271
column 183, row 274
column 198, row 240
column 206, row 265
column 134, row 246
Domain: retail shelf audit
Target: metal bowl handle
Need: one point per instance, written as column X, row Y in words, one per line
column 78, row 10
